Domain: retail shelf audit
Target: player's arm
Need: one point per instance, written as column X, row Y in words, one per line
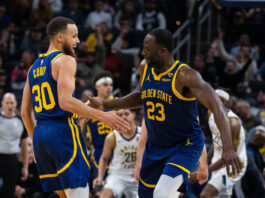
column 25, row 158
column 109, row 145
column 205, row 94
column 65, row 76
column 130, row 101
column 27, row 110
column 140, row 150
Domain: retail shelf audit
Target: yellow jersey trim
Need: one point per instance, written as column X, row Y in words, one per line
column 143, row 77
column 89, row 132
column 147, row 185
column 79, row 143
column 48, row 53
column 70, row 161
column 180, row 167
column 56, row 57
column 177, row 94
column 157, row 77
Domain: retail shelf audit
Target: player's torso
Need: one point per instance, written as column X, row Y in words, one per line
column 170, row 118
column 44, row 88
column 124, row 153
column 217, row 142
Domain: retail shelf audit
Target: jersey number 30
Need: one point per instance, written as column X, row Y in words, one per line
column 160, row 110
column 40, row 97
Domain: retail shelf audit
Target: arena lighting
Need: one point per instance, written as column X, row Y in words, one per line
column 241, row 3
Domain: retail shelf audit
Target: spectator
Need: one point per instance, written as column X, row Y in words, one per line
column 41, row 14
column 243, row 110
column 98, row 15
column 4, row 18
column 259, row 110
column 12, row 132
column 261, row 72
column 128, row 9
column 257, row 142
column 3, row 78
column 73, row 12
column 7, row 44
column 56, row 5
column 20, row 12
column 19, row 74
column 150, row 18
column 93, row 38
column 31, row 187
column 32, row 40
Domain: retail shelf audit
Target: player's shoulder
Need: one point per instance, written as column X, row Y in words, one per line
column 188, row 75
column 64, row 58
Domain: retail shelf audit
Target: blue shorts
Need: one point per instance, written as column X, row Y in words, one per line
column 173, row 161
column 60, row 154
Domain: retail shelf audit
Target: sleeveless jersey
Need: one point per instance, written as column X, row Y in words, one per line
column 170, row 118
column 124, row 154
column 44, row 88
column 217, row 142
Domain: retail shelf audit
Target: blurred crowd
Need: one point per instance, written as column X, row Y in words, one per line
column 111, row 37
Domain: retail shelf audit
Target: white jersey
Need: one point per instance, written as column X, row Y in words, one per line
column 124, row 154
column 217, row 143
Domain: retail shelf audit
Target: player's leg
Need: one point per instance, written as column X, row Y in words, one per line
column 167, row 187
column 209, row 191
column 77, row 192
column 60, row 193
column 131, row 189
column 106, row 193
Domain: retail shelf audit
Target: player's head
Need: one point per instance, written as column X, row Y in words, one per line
column 224, row 95
column 103, row 83
column 158, row 47
column 128, row 115
column 64, row 34
column 9, row 103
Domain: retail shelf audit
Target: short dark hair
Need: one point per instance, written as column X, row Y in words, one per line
column 163, row 37
column 102, row 75
column 58, row 24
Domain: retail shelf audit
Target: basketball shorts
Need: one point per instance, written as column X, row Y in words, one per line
column 60, row 154
column 172, row 161
column 122, row 184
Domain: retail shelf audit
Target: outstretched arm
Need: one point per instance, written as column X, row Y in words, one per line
column 64, row 69
column 205, row 94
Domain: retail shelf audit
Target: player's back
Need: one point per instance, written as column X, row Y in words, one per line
column 44, row 88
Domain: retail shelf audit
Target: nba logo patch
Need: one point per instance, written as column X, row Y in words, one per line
column 41, row 62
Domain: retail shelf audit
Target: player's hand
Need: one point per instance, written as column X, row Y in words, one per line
column 25, row 173
column 97, row 182
column 94, row 102
column 231, row 160
column 112, row 119
column 202, row 174
column 136, row 173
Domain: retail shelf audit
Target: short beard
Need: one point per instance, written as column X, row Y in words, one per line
column 155, row 61
column 67, row 50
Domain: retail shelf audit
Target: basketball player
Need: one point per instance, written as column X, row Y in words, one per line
column 220, row 185
column 50, row 92
column 169, row 91
column 123, row 147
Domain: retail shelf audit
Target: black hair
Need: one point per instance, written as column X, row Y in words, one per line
column 58, row 24
column 102, row 75
column 163, row 37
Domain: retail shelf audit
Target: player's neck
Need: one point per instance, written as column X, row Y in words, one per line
column 166, row 65
column 102, row 98
column 54, row 47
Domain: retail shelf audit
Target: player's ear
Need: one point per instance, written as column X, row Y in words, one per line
column 163, row 51
column 60, row 37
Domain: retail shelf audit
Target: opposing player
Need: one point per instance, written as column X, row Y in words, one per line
column 169, row 90
column 122, row 148
column 49, row 92
column 220, row 185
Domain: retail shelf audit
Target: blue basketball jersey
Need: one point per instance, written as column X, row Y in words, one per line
column 44, row 88
column 97, row 132
column 170, row 118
